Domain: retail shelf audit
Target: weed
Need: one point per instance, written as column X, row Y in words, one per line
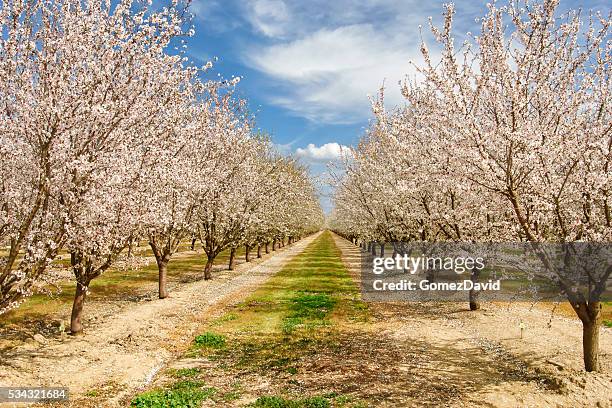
column 307, row 306
column 183, row 394
column 228, row 317
column 280, row 402
column 210, row 340
column 312, row 305
column 291, row 323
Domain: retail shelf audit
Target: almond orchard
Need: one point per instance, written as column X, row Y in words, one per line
column 158, row 249
column 107, row 139
column 507, row 139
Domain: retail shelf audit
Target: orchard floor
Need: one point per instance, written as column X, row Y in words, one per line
column 128, row 342
column 460, row 358
column 305, row 339
column 293, row 332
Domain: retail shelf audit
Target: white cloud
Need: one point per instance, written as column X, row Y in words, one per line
column 327, row 152
column 325, row 56
column 327, row 75
column 269, row 17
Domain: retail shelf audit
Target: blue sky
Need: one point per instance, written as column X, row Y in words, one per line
column 308, row 66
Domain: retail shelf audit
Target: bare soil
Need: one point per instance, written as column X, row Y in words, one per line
column 129, row 342
column 443, row 354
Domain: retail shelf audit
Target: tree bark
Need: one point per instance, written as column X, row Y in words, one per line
column 267, row 247
column 274, row 245
column 208, row 269
column 382, row 249
column 430, row 276
column 259, row 251
column 193, row 242
column 373, row 248
column 474, row 303
column 590, row 337
column 247, row 255
column 232, row 259
column 162, row 266
column 76, row 325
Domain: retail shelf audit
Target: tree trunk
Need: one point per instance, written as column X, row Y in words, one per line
column 382, row 249
column 162, row 266
column 232, row 259
column 274, row 245
column 76, row 326
column 430, row 276
column 267, row 247
column 193, row 241
column 474, row 303
column 373, row 248
column 208, row 269
column 590, row 346
column 590, row 337
column 259, row 251
column 247, row 256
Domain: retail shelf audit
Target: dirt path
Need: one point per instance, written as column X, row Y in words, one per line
column 446, row 355
column 122, row 352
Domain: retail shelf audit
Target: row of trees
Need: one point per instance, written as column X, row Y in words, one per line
column 109, row 135
column 507, row 138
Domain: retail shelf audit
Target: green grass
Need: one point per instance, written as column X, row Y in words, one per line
column 225, row 318
column 312, row 305
column 210, row 340
column 280, row 402
column 294, row 315
column 308, row 310
column 183, row 394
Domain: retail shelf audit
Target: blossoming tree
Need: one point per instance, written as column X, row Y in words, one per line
column 507, row 138
column 77, row 81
